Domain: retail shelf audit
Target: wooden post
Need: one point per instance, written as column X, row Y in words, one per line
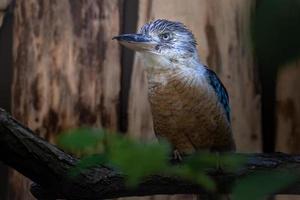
column 288, row 112
column 66, row 70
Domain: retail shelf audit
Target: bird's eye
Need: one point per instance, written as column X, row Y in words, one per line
column 165, row 36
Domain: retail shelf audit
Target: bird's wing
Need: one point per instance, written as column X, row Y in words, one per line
column 220, row 91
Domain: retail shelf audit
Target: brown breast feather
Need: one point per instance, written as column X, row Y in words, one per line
column 189, row 116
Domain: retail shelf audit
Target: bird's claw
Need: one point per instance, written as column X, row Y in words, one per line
column 177, row 156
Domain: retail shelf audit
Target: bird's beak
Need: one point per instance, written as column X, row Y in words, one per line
column 136, row 42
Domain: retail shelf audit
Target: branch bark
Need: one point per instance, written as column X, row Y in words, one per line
column 47, row 166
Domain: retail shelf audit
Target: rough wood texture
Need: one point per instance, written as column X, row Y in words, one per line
column 288, row 112
column 288, row 109
column 222, row 29
column 47, row 166
column 66, row 70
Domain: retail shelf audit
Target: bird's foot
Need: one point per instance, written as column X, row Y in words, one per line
column 177, row 156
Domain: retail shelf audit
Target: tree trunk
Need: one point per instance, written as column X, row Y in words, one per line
column 222, row 29
column 288, row 113
column 66, row 70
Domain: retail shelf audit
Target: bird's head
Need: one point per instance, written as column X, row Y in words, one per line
column 162, row 38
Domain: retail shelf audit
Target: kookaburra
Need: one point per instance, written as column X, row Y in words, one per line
column 189, row 104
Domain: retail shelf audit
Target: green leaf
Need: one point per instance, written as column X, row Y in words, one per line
column 232, row 162
column 82, row 139
column 259, row 185
column 88, row 162
column 196, row 166
column 226, row 162
column 198, row 176
column 202, row 161
column 138, row 160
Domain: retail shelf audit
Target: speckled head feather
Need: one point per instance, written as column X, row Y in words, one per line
column 185, row 38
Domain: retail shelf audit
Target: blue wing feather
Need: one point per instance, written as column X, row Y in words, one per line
column 220, row 91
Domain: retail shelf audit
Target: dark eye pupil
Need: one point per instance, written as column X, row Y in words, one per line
column 165, row 36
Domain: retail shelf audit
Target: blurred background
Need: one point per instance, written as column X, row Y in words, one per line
column 59, row 68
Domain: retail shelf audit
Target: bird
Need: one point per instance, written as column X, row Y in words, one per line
column 189, row 103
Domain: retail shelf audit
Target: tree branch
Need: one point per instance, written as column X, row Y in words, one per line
column 48, row 166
